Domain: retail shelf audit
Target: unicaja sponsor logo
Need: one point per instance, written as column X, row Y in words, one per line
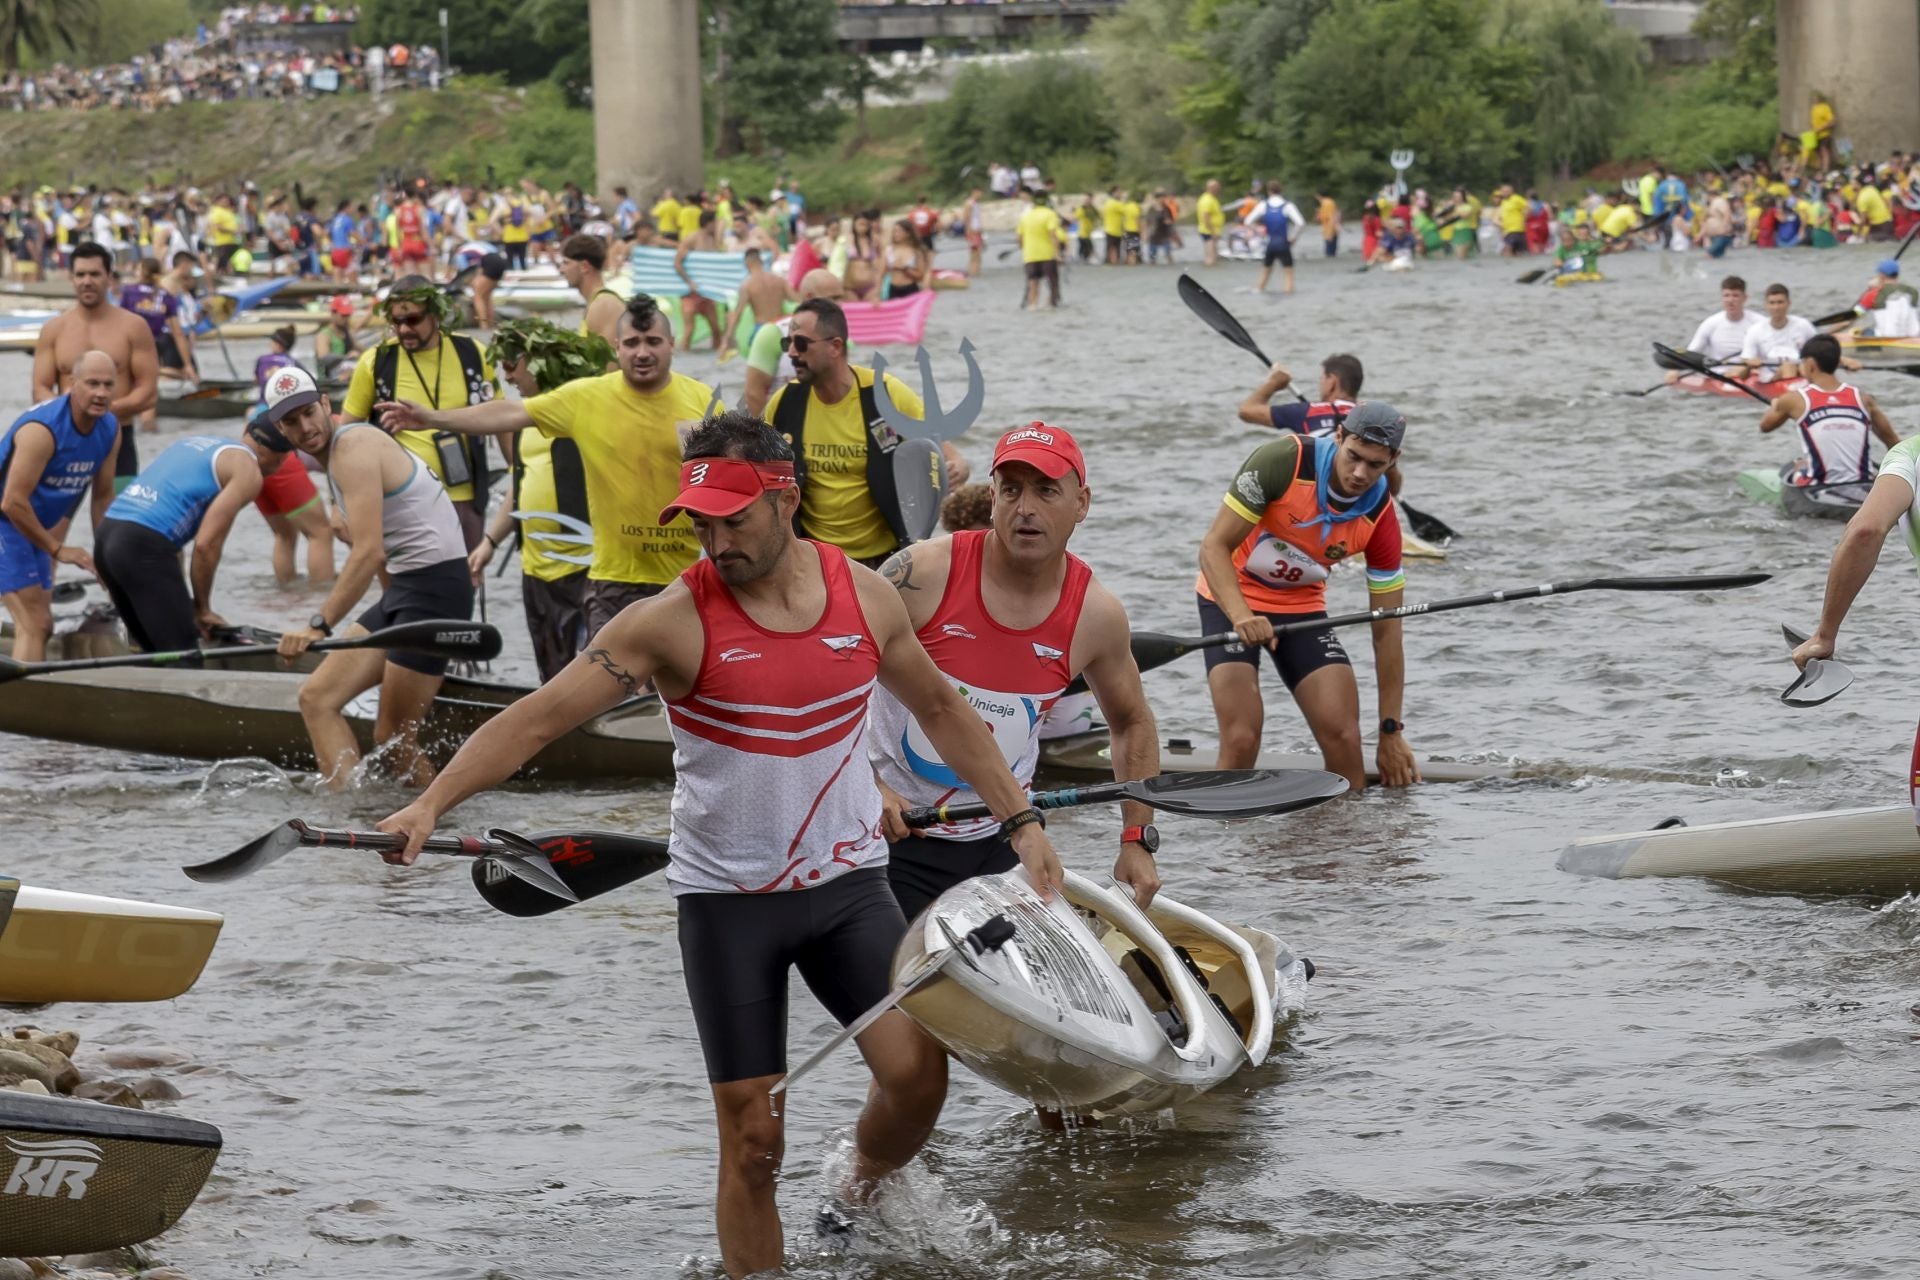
column 51, row 1170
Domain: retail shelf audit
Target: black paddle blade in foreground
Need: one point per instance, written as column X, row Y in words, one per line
column 590, row 863
column 1240, row 793
column 1680, row 361
column 251, row 857
column 449, row 638
column 1217, row 317
column 1430, row 528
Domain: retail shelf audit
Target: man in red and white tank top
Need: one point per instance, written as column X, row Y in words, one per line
column 1010, row 618
column 765, row 653
column 1836, row 420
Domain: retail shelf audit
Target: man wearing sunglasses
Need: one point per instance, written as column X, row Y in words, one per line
column 627, row 427
column 424, row 363
column 843, row 447
column 768, row 367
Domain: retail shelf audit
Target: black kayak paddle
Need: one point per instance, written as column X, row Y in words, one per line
column 1667, row 358
column 449, row 638
column 1221, row 793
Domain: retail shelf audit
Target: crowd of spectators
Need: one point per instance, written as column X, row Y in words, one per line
column 213, row 66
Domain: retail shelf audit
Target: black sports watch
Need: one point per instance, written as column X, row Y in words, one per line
column 1390, row 725
column 318, row 622
column 1147, row 837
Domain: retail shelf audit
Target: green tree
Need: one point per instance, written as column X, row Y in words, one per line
column 43, row 28
column 1049, row 106
column 1377, row 75
column 1586, row 75
column 1241, row 44
column 486, row 36
column 779, row 73
column 1746, row 27
column 1146, row 64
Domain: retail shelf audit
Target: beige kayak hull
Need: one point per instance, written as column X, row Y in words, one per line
column 1847, row 852
column 76, row 946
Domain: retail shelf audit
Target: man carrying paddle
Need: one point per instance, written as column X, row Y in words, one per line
column 1341, row 376
column 1836, row 421
column 1298, row 506
column 765, row 653
column 400, row 524
column 190, row 493
column 1893, row 500
column 52, row 456
column 626, row 425
column 1011, row 619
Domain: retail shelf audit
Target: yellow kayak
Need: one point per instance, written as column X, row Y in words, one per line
column 56, row 945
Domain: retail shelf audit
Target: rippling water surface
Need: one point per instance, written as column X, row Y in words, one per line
column 1504, row 1071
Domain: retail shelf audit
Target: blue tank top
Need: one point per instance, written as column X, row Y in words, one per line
column 77, row 455
column 1274, row 218
column 173, row 492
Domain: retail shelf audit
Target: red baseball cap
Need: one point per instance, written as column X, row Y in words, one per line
column 1049, row 449
column 725, row 486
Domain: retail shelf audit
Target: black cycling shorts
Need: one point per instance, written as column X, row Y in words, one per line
column 443, row 590
column 1296, row 656
column 493, row 266
column 921, row 868
column 1281, row 253
column 140, row 569
column 736, row 949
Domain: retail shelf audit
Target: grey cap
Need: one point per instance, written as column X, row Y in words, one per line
column 1376, row 422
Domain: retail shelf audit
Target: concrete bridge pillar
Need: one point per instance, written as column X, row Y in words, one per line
column 1864, row 56
column 646, row 96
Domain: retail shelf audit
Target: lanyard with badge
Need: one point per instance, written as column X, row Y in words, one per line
column 455, row 468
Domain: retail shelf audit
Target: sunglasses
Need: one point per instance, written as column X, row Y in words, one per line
column 407, row 322
column 799, row 342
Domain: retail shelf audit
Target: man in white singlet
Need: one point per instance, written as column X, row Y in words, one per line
column 1011, row 618
column 1894, row 500
column 1772, row 347
column 398, row 519
column 1836, row 421
column 1723, row 335
column 765, row 653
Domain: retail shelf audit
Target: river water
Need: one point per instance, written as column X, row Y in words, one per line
column 1504, row 1070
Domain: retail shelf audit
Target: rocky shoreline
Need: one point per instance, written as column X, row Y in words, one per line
column 36, row 1061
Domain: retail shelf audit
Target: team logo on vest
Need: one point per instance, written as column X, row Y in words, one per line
column 738, row 655
column 841, row 644
column 55, row 1169
column 1011, row 716
column 1046, row 652
column 957, row 631
column 1334, row 551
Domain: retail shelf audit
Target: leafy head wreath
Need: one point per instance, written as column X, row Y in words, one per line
column 554, row 356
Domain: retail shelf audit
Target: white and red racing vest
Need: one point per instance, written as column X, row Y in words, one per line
column 771, row 787
column 1008, row 677
column 1835, row 431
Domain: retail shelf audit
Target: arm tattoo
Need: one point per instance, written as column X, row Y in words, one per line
column 601, row 658
column 898, row 570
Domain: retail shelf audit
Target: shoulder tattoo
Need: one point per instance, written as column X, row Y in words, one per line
column 601, row 658
column 898, row 569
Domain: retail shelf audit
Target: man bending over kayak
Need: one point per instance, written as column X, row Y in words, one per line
column 1298, row 506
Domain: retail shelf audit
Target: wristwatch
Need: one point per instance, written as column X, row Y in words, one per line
column 1390, row 725
column 1147, row 837
column 318, row 622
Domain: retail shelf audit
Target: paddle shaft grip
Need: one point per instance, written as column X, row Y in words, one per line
column 386, row 842
column 1065, row 798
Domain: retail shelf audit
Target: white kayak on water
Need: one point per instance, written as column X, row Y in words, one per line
column 56, row 945
column 1094, row 1007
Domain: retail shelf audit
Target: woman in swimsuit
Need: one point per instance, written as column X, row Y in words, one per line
column 863, row 258
column 908, row 262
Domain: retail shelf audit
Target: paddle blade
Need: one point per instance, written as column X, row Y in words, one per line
column 249, row 858
column 920, row 480
column 589, row 863
column 1156, row 648
column 1667, row 358
column 1838, row 317
column 529, row 864
column 447, row 638
column 1239, row 793
column 1431, row 528
column 1530, row 276
column 1217, row 317
column 1820, row 681
column 1687, row 582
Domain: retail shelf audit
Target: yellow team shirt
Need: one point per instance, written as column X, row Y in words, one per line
column 1873, row 206
column 510, row 234
column 1513, row 214
column 1039, row 231
column 1207, row 214
column 1112, row 217
column 630, row 448
column 1130, row 217
column 538, row 217
column 666, row 216
column 1619, row 220
column 1083, row 221
column 223, row 227
column 431, row 377
column 1821, row 118
column 689, row 220
column 540, row 492
column 836, row 506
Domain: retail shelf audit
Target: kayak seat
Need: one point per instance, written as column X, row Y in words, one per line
column 1152, row 986
column 1200, row 976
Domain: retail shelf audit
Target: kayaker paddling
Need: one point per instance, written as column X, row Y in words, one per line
column 1723, row 335
column 765, row 653
column 399, row 522
column 1836, row 421
column 1773, row 342
column 1341, row 377
column 1299, row 505
column 52, row 456
column 191, row 493
column 1010, row 618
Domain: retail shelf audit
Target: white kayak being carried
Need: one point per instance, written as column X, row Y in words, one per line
column 1865, row 852
column 1094, row 1007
